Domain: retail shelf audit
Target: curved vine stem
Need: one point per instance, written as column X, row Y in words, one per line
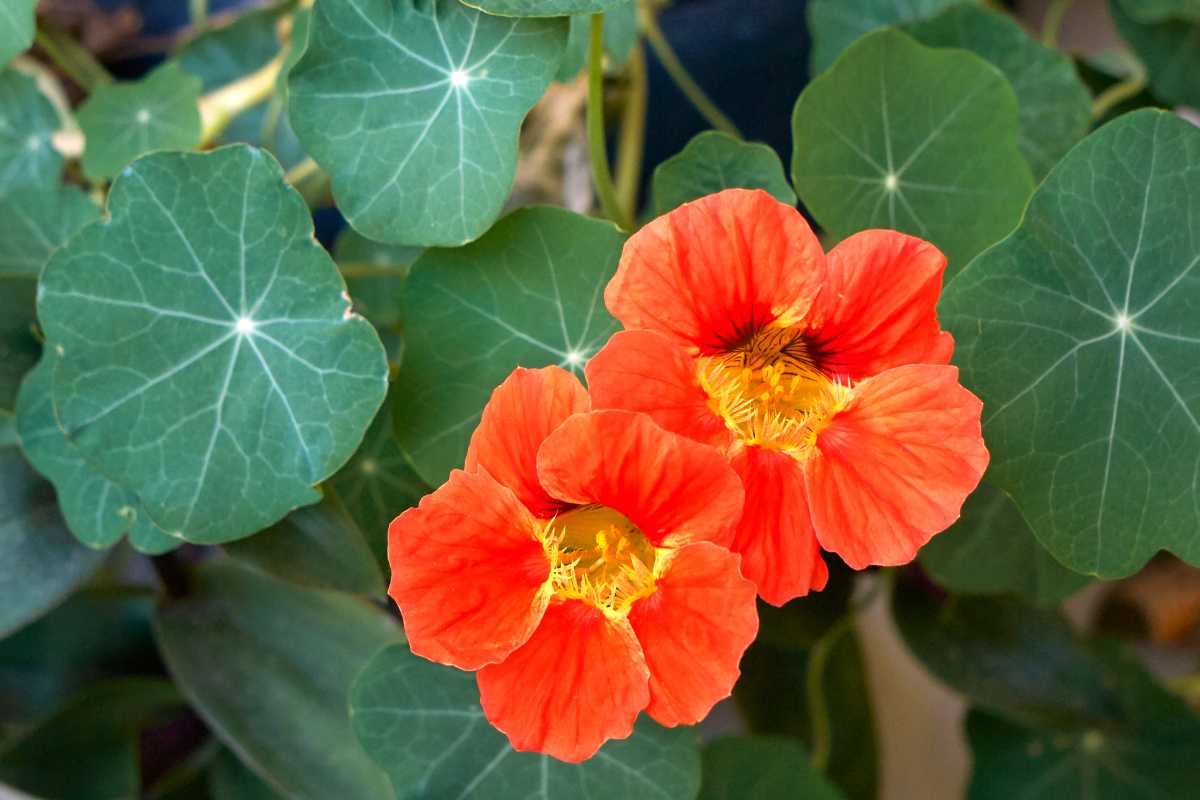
column 1118, row 93
column 597, row 152
column 1052, row 22
column 631, row 145
column 75, row 61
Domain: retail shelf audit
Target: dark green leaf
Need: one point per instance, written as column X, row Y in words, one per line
column 762, row 768
column 1170, row 49
column 545, row 8
column 16, row 27
column 899, row 135
column 208, row 359
column 414, row 109
column 269, row 666
column 40, row 561
column 318, row 547
column 89, row 749
column 1055, row 107
column 1080, row 334
column 229, row 779
column 423, row 723
column 123, row 121
column 991, row 550
column 27, row 123
column 620, row 35
column 37, row 220
column 375, row 275
column 1159, row 10
column 713, row 161
column 19, row 348
column 529, row 293
column 835, row 24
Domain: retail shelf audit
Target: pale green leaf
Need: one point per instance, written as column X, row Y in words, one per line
column 1055, row 108
column 16, row 27
column 422, row 722
column 1081, row 333
column 209, row 361
column 898, row 135
column 546, row 8
column 713, row 161
column 37, row 220
column 27, row 123
column 762, row 768
column 835, row 24
column 529, row 293
column 269, row 665
column 1170, row 49
column 414, row 109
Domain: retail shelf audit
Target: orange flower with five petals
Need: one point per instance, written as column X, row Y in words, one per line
column 824, row 379
column 578, row 565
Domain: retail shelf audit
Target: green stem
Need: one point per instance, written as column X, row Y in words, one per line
column 601, row 175
column 1052, row 22
column 76, row 62
column 199, row 12
column 674, row 67
column 1118, row 93
column 814, row 685
column 631, row 147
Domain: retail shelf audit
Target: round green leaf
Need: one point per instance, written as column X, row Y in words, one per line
column 1055, row 108
column 1081, row 333
column 269, row 666
column 1159, row 10
column 377, row 483
column 209, row 362
column 835, row 24
column 98, row 511
column 40, row 562
column 16, row 28
column 1170, row 49
column 529, row 293
column 762, row 768
column 545, row 8
column 991, row 550
column 37, row 220
column 899, row 135
column 27, row 123
column 713, row 161
column 375, row 275
column 414, row 109
column 422, row 723
column 317, row 546
column 122, row 121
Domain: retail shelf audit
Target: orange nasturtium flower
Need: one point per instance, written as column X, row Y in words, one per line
column 578, row 563
column 822, row 378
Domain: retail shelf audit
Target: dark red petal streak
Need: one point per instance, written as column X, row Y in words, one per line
column 894, row 466
column 775, row 537
column 878, row 308
column 519, row 416
column 674, row 489
column 713, row 271
column 693, row 630
column 579, row 681
column 467, row 572
column 645, row 371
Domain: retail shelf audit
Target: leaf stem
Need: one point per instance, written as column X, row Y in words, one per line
column 1052, row 22
column 75, row 61
column 1118, row 93
column 683, row 79
column 631, row 146
column 301, row 172
column 221, row 106
column 598, row 154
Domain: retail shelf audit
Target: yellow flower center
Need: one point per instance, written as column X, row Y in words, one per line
column 770, row 392
column 598, row 556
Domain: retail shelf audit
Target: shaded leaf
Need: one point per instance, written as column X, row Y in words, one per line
column 1159, row 10
column 620, row 35
column 229, row 779
column 546, row 8
column 1080, row 334
column 898, row 135
column 991, row 550
column 268, row 665
column 529, row 293
column 1170, row 49
column 19, row 348
column 208, row 360
column 40, row 561
column 414, row 110
column 16, row 27
column 27, row 123
column 37, row 220
column 423, row 723
column 762, row 768
column 375, row 275
column 835, row 24
column 713, row 161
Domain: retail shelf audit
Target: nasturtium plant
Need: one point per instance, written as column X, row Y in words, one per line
column 417, row 399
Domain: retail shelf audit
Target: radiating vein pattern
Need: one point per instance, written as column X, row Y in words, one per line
column 1081, row 332
column 414, row 110
column 209, row 361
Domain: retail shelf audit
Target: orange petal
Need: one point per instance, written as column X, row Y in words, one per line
column 775, row 537
column 878, row 308
column 645, row 371
column 894, row 466
column 693, row 630
column 714, row 271
column 675, row 490
column 467, row 572
column 519, row 416
column 579, row 681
